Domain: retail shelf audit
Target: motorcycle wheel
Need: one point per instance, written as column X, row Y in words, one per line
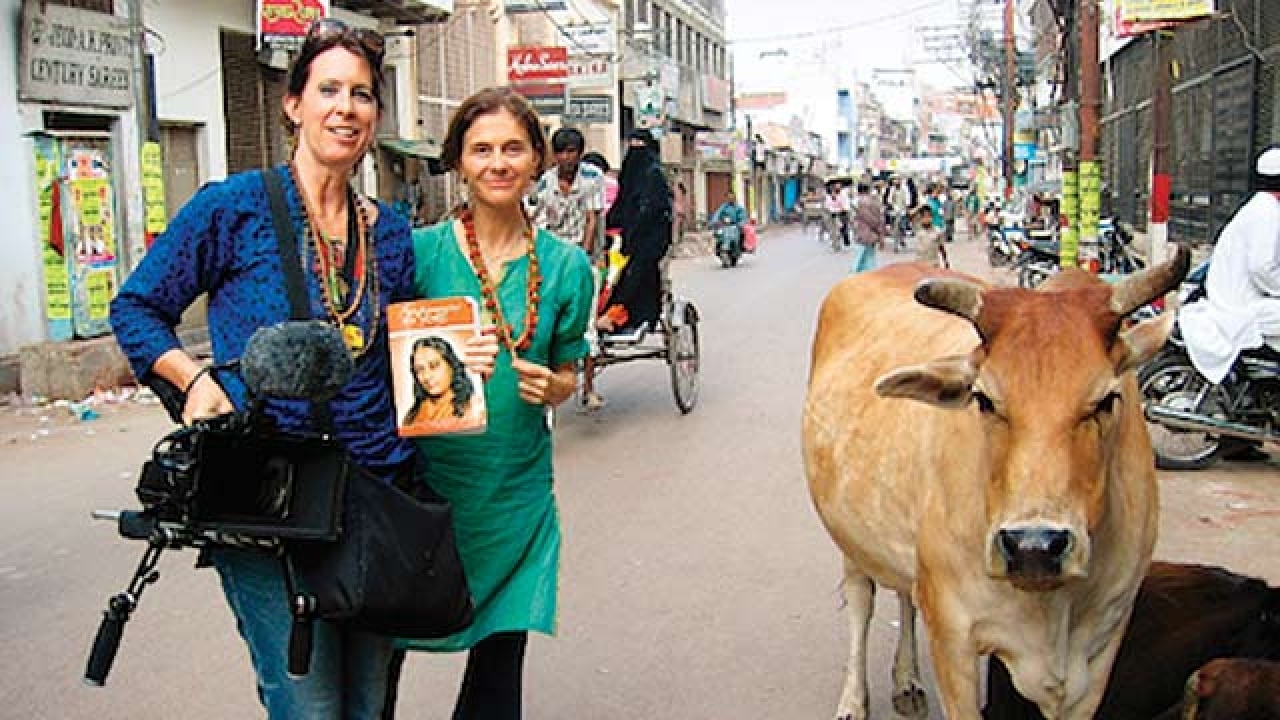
column 1032, row 275
column 1170, row 379
column 995, row 257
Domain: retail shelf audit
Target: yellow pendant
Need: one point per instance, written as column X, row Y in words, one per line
column 353, row 336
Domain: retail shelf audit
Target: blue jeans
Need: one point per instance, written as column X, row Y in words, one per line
column 348, row 678
column 864, row 258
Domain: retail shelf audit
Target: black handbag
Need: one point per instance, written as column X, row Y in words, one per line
column 395, row 568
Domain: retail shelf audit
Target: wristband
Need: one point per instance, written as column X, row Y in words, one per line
column 196, row 378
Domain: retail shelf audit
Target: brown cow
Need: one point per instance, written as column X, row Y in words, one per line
column 1234, row 689
column 1183, row 617
column 990, row 465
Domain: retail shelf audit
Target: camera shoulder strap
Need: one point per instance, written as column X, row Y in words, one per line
column 299, row 307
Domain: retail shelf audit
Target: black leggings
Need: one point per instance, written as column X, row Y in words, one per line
column 491, row 686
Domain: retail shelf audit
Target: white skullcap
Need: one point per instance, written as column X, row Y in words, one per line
column 1269, row 163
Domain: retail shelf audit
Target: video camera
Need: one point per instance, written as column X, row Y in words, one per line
column 236, row 480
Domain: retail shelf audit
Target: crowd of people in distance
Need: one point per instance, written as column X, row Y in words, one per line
column 870, row 215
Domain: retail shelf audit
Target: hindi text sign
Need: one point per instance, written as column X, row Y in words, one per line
column 284, row 23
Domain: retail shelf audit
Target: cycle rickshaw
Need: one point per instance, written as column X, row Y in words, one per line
column 673, row 337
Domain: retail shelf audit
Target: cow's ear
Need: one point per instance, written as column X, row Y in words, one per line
column 945, row 382
column 1141, row 342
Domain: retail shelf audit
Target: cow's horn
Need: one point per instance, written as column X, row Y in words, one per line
column 960, row 297
column 1141, row 288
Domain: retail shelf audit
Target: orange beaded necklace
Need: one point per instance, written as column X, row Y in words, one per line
column 333, row 287
column 506, row 333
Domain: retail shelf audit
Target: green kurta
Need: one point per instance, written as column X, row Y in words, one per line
column 500, row 481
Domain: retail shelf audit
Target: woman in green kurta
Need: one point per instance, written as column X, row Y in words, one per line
column 536, row 291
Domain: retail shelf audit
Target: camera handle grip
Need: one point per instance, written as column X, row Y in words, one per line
column 119, row 608
column 107, row 641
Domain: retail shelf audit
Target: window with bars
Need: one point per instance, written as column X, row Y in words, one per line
column 1226, row 108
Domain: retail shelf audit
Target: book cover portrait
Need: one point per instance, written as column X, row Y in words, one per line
column 435, row 394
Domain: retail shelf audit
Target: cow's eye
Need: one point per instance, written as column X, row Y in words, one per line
column 985, row 406
column 1107, row 405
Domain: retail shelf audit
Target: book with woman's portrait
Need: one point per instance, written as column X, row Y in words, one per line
column 435, row 393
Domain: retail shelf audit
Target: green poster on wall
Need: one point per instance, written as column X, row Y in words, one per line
column 98, row 283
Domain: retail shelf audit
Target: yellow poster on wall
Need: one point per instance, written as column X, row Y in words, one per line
column 98, row 283
column 153, row 189
column 1164, row 10
column 57, row 286
column 96, row 243
column 57, row 281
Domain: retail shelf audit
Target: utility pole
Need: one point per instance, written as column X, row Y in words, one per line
column 1068, row 247
column 1090, row 102
column 752, row 195
column 1161, row 181
column 1010, row 95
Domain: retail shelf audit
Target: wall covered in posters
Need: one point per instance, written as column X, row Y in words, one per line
column 79, row 229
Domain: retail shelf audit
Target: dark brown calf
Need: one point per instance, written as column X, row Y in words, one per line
column 1184, row 616
column 1234, row 689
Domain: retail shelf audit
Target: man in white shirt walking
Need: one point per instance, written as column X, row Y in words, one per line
column 568, row 202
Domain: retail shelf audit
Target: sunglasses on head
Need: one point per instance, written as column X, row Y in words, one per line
column 329, row 29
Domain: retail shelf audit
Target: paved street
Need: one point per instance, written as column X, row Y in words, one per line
column 697, row 584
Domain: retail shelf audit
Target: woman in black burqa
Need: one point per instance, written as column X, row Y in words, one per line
column 643, row 212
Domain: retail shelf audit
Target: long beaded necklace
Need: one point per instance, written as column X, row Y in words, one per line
column 490, row 296
column 333, row 285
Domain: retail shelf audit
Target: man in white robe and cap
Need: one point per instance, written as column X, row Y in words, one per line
column 1241, row 310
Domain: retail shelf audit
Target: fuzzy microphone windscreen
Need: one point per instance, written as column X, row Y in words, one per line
column 296, row 360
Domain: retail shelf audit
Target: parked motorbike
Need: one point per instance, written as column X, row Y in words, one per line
column 1037, row 259
column 1004, row 233
column 1040, row 259
column 1193, row 423
column 728, row 237
column 1115, row 248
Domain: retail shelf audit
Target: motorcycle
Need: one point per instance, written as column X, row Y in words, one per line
column 1115, row 248
column 1038, row 260
column 728, row 237
column 1193, row 423
column 1004, row 232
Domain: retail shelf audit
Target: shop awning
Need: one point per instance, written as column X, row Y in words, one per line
column 426, row 150
column 404, row 12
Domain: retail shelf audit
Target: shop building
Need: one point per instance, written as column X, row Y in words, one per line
column 92, row 84
column 675, row 76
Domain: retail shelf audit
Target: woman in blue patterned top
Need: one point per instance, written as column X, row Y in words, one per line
column 223, row 243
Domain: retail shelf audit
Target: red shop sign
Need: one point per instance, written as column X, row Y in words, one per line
column 289, row 18
column 536, row 64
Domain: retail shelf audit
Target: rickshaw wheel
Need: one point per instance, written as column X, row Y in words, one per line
column 683, row 359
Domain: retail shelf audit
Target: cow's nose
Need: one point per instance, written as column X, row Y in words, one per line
column 1034, row 553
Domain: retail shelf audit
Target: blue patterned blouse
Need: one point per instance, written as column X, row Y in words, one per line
column 223, row 242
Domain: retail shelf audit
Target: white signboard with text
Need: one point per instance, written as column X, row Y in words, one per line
column 590, row 72
column 590, row 39
column 75, row 57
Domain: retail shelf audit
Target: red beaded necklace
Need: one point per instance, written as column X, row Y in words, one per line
column 506, row 333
